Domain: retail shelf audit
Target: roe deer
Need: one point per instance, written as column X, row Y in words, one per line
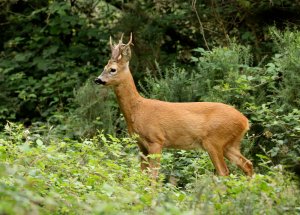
column 217, row 128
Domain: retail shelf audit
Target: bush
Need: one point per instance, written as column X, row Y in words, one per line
column 172, row 84
column 286, row 62
column 52, row 47
column 102, row 176
column 96, row 108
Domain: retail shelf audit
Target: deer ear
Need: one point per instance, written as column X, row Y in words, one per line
column 126, row 53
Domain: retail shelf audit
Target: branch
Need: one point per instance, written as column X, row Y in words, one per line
column 4, row 23
column 200, row 23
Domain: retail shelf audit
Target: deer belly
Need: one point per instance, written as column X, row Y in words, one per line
column 184, row 142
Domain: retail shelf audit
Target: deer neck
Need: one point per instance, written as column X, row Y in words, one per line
column 128, row 98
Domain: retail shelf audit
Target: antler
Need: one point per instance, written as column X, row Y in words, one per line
column 130, row 40
column 110, row 43
column 121, row 39
column 120, row 48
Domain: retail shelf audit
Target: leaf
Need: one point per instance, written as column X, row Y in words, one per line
column 22, row 57
column 194, row 59
column 107, row 189
column 201, row 50
column 49, row 51
column 42, row 64
column 39, row 142
column 25, row 147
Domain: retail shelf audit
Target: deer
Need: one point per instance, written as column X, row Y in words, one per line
column 214, row 127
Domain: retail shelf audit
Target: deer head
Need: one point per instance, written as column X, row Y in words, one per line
column 117, row 65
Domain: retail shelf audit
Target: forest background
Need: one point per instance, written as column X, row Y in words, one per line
column 241, row 52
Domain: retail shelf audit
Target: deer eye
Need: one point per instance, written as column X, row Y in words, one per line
column 112, row 70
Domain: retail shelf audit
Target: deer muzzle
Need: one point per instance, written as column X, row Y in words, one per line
column 99, row 81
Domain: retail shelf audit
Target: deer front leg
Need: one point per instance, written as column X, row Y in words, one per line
column 155, row 151
column 150, row 158
column 143, row 156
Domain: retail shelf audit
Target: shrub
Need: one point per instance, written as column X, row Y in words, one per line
column 172, row 84
column 96, row 109
column 51, row 47
column 286, row 62
column 101, row 175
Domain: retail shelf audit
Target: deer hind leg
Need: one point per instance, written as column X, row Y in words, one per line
column 233, row 154
column 217, row 157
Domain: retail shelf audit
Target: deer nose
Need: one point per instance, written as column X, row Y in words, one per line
column 99, row 81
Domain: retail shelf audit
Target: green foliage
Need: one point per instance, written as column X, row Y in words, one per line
column 97, row 108
column 215, row 72
column 53, row 48
column 279, row 135
column 222, row 70
column 183, row 167
column 48, row 48
column 172, row 84
column 287, row 63
column 244, row 196
column 170, row 29
column 102, row 176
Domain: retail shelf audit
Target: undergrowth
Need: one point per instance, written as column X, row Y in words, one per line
column 101, row 175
